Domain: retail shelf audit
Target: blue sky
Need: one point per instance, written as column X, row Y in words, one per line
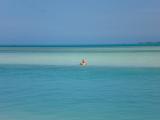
column 78, row 21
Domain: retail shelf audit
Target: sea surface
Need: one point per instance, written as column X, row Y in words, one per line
column 47, row 83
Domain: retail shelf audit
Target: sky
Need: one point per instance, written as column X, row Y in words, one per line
column 51, row 22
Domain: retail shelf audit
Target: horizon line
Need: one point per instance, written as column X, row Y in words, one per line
column 81, row 45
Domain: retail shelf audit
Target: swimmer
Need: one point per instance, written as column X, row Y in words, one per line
column 84, row 62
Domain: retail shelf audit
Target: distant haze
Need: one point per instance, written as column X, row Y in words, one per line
column 46, row 22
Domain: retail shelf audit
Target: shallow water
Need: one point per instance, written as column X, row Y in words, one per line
column 97, row 56
column 79, row 93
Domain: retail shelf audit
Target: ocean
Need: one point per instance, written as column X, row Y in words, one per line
column 47, row 83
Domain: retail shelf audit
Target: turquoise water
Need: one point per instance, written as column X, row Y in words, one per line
column 46, row 89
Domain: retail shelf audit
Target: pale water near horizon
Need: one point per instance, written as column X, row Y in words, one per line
column 118, row 84
column 98, row 56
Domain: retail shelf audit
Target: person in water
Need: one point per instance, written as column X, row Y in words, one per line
column 84, row 62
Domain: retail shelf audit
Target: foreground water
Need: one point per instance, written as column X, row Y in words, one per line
column 78, row 93
column 35, row 86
